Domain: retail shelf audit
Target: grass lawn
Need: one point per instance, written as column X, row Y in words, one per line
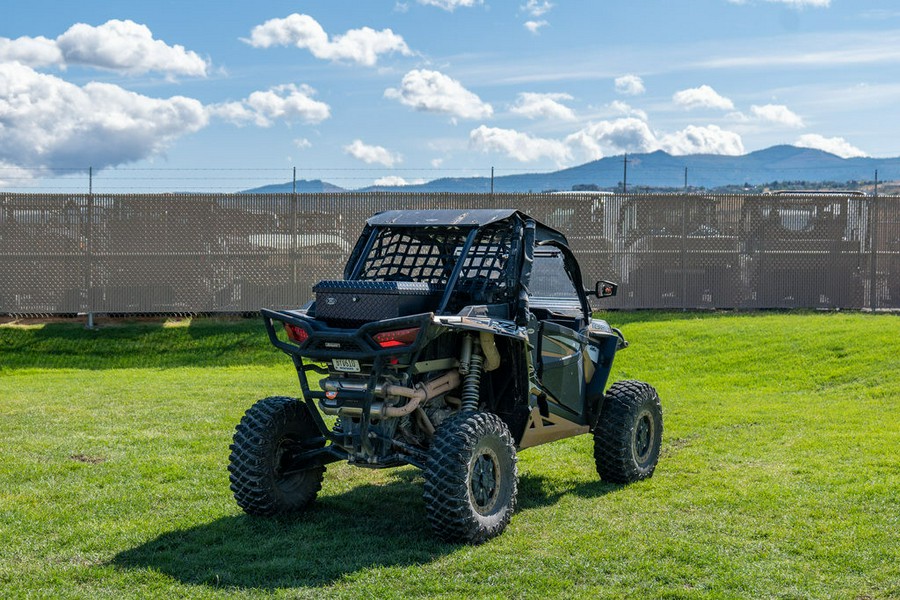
column 779, row 475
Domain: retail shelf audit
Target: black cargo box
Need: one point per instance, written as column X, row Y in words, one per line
column 352, row 302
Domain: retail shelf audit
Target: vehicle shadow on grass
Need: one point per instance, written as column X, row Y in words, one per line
column 367, row 527
column 537, row 491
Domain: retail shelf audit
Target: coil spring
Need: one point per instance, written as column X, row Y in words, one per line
column 472, row 383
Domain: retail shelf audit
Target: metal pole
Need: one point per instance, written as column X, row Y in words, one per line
column 294, row 233
column 873, row 238
column 492, row 182
column 89, row 250
column 625, row 173
column 685, row 179
column 683, row 253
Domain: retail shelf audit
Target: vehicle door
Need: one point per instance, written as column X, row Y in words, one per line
column 557, row 317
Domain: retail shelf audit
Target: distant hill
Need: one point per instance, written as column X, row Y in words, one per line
column 303, row 186
column 661, row 170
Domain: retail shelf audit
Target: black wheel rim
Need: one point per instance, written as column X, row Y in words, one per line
column 484, row 480
column 643, row 437
column 284, row 452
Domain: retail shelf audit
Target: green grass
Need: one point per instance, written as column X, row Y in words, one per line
column 779, row 476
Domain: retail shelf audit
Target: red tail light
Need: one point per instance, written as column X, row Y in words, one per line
column 397, row 338
column 296, row 333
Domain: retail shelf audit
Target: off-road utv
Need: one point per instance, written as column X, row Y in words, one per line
column 455, row 339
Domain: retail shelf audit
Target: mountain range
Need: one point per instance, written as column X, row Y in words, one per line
column 657, row 170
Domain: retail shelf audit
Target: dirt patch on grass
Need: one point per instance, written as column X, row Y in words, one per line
column 86, row 458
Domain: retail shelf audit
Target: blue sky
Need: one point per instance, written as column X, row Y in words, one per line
column 391, row 91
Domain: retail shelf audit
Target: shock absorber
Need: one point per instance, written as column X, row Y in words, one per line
column 472, row 382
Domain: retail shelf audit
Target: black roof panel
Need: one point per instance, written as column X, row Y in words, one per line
column 474, row 217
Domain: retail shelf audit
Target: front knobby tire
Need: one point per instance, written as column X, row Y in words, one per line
column 270, row 432
column 628, row 434
column 470, row 478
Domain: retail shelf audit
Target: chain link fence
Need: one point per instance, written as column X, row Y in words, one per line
column 206, row 253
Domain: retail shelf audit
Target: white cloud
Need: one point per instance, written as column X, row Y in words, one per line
column 798, row 4
column 702, row 97
column 372, row 154
column 631, row 85
column 302, row 143
column 534, row 26
column 628, row 110
column 432, row 91
column 536, row 8
column 836, row 145
column 517, row 145
column 49, row 122
column 703, row 140
column 362, row 46
column 804, row 3
column 284, row 102
column 450, row 5
column 394, row 180
column 121, row 46
column 12, row 175
column 777, row 113
column 33, row 52
column 546, row 106
column 605, row 137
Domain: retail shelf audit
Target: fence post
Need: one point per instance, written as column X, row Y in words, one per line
column 89, row 251
column 684, row 252
column 873, row 260
column 295, row 233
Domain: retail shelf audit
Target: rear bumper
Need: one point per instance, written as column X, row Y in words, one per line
column 326, row 342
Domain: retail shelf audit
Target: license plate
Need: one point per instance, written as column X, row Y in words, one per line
column 346, row 365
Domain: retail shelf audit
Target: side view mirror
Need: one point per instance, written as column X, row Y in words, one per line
column 605, row 289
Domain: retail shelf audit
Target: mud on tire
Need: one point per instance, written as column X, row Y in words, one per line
column 260, row 453
column 470, row 478
column 628, row 434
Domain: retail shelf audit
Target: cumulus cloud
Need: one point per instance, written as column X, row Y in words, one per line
column 12, row 175
column 517, row 145
column 121, row 46
column 804, row 3
column 628, row 110
column 34, row 52
column 702, row 97
column 536, row 8
column 836, row 145
column 798, row 4
column 605, row 137
column 544, row 106
column 535, row 26
column 703, row 140
column 432, row 91
column 394, row 180
column 45, row 121
column 777, row 113
column 372, row 154
column 302, row 143
column 287, row 103
column 450, row 5
column 631, row 85
column 362, row 46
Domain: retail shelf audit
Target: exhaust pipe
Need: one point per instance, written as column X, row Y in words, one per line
column 417, row 395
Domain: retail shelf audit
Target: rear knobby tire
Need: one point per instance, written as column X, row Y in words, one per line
column 260, row 453
column 628, row 434
column 470, row 478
